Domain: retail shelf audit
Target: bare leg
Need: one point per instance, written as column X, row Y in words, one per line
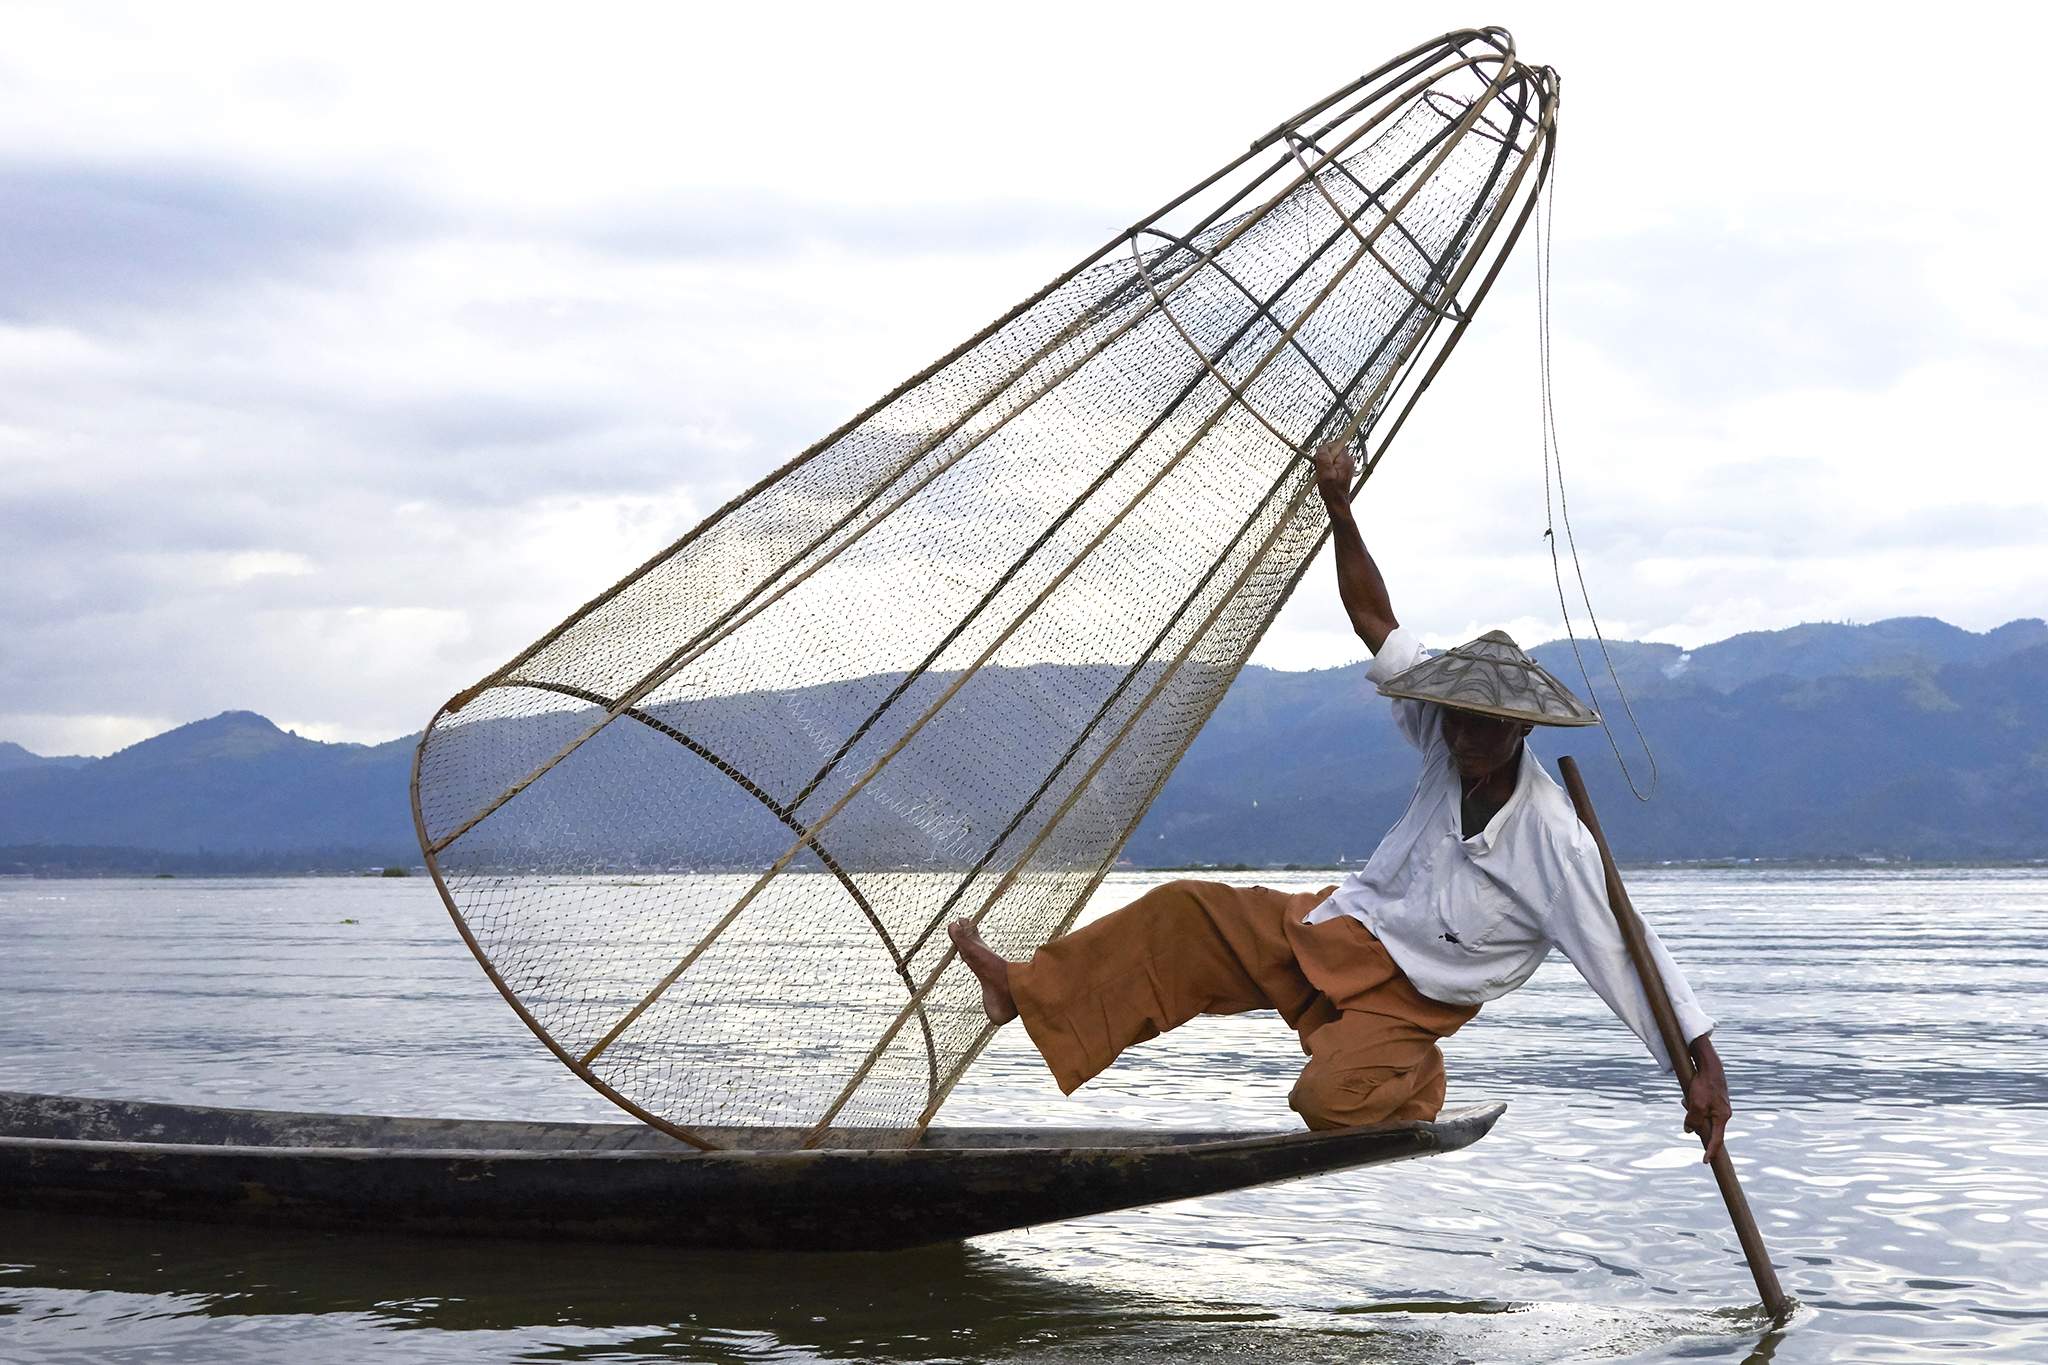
column 992, row 971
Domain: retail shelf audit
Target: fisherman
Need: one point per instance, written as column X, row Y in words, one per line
column 1487, row 871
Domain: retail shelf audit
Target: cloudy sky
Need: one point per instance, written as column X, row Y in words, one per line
column 343, row 352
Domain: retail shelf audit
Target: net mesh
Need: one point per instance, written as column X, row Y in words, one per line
column 706, row 835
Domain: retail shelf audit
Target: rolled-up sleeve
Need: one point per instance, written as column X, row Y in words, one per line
column 1583, row 929
column 1399, row 652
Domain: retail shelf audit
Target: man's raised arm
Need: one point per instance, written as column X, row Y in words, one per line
column 1358, row 578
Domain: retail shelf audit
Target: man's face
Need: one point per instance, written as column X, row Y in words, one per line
column 1481, row 744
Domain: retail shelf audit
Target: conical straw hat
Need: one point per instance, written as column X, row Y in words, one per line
column 1493, row 677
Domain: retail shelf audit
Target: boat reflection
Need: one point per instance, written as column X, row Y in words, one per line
column 586, row 1301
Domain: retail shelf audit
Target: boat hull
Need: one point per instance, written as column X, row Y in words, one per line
column 629, row 1184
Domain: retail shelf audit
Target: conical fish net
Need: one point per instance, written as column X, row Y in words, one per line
column 706, row 834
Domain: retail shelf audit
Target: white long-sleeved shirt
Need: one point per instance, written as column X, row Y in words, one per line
column 1469, row 920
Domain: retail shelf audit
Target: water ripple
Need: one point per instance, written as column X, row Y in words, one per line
column 1891, row 1129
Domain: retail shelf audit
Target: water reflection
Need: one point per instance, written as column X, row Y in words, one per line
column 836, row 1305
column 141, row 1281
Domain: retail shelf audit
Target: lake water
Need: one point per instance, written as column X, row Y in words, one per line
column 1885, row 1033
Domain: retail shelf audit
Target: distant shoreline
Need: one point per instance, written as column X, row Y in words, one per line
column 1651, row 865
column 417, row 873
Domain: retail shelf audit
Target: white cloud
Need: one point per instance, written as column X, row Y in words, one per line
column 334, row 368
column 71, row 732
column 247, row 565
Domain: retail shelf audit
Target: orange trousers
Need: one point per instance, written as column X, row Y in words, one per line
column 1191, row 947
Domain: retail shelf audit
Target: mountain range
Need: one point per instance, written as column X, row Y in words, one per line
column 1906, row 738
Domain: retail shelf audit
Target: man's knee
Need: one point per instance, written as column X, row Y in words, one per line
column 1186, row 891
column 1183, row 910
column 1329, row 1094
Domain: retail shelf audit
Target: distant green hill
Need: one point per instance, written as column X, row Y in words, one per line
column 233, row 792
column 1759, row 755
column 14, row 756
column 1904, row 738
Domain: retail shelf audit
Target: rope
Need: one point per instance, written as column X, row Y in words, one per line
column 1553, row 455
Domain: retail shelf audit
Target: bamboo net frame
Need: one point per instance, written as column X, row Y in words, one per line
column 704, row 833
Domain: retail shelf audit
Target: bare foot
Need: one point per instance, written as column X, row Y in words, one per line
column 992, row 971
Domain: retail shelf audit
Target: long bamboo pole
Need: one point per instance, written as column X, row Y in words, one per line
column 1759, row 1257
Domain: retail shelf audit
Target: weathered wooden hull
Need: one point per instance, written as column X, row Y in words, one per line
column 628, row 1183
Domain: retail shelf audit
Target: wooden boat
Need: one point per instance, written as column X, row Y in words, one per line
column 619, row 1182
